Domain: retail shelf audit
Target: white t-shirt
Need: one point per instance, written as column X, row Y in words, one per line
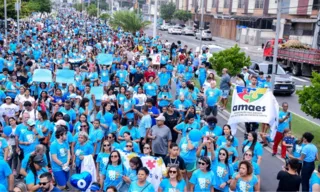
column 142, row 99
column 10, row 110
column 33, row 114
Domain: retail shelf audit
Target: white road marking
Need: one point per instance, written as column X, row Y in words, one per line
column 299, row 79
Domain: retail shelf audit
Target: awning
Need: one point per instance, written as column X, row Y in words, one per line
column 250, row 18
column 302, row 20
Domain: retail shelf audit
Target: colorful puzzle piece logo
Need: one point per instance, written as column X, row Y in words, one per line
column 250, row 95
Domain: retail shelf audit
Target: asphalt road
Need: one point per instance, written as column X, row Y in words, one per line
column 255, row 53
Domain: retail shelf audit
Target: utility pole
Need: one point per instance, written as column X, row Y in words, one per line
column 201, row 25
column 5, row 19
column 276, row 46
column 155, row 19
column 316, row 33
column 17, row 6
column 98, row 7
column 149, row 11
column 111, row 7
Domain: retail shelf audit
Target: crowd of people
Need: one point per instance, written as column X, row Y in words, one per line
column 47, row 129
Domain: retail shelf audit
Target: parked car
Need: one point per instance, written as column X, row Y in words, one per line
column 164, row 27
column 175, row 30
column 283, row 81
column 187, row 31
column 206, row 35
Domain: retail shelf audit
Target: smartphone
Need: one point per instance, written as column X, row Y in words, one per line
column 289, row 114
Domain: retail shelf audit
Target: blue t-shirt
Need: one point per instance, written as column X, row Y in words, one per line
column 3, row 145
column 150, row 89
column 285, row 124
column 145, row 123
column 147, row 187
column 164, row 78
column 231, row 149
column 247, row 186
column 24, row 162
column 30, row 178
column 166, row 186
column 256, row 168
column 257, row 151
column 85, row 149
column 164, row 96
column 5, row 171
column 315, row 179
column 122, row 74
column 212, row 96
column 206, row 131
column 189, row 156
column 184, row 126
column 96, row 136
column 134, row 132
column 61, row 151
column 203, row 181
column 113, row 175
column 136, row 147
column 297, row 149
column 128, row 104
column 222, row 173
column 222, row 141
column 29, row 136
column 103, row 159
column 310, row 151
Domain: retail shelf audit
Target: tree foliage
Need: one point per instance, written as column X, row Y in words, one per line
column 128, row 21
column 182, row 15
column 27, row 7
column 78, row 6
column 92, row 10
column 105, row 16
column 232, row 59
column 167, row 11
column 309, row 97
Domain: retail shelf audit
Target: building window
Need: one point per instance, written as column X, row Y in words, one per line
column 214, row 3
column 259, row 4
column 241, row 4
column 226, row 3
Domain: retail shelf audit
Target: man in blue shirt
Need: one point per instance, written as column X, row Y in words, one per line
column 212, row 97
column 284, row 123
column 144, row 125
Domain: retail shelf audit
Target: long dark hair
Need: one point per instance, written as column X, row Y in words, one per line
column 83, row 102
column 227, row 156
column 137, row 161
column 32, row 168
column 254, row 142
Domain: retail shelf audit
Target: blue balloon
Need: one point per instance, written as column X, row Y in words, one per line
column 7, row 130
column 81, row 181
column 195, row 135
column 137, row 100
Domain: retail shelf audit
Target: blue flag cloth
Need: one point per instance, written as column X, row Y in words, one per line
column 97, row 92
column 104, row 59
column 65, row 76
column 42, row 75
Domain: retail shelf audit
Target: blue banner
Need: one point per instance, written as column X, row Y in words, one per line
column 104, row 59
column 42, row 75
column 65, row 76
column 97, row 92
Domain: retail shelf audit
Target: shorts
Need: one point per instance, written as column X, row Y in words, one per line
column 191, row 166
column 211, row 109
column 225, row 94
column 61, row 177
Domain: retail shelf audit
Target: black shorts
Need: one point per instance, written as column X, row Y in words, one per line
column 211, row 109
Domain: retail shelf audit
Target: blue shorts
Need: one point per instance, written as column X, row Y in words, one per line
column 225, row 93
column 61, row 177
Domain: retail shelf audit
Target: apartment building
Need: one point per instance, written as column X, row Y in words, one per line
column 253, row 21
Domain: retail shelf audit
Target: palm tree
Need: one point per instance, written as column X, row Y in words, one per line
column 128, row 21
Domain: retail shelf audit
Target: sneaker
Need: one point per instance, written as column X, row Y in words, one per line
column 67, row 188
column 265, row 145
column 19, row 177
column 274, row 154
column 261, row 142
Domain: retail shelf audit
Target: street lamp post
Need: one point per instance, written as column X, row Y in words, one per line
column 155, row 19
column 98, row 7
column 201, row 25
column 17, row 6
column 275, row 50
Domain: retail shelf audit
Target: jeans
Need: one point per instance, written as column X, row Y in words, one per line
column 306, row 172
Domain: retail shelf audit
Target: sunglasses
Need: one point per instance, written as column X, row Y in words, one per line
column 83, row 126
column 106, row 145
column 146, row 148
column 201, row 163
column 128, row 145
column 110, row 137
column 43, row 183
column 174, row 172
column 223, row 154
column 247, row 154
column 114, row 156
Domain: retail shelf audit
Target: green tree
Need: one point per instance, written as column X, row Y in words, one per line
column 105, row 16
column 92, row 10
column 232, row 59
column 44, row 5
column 167, row 11
column 128, row 21
column 309, row 97
column 182, row 15
column 26, row 9
column 78, row 6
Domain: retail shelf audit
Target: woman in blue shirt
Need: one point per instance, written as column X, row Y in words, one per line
column 315, row 181
column 150, row 88
column 105, row 116
column 36, row 166
column 103, row 158
column 135, row 164
column 203, row 178
column 222, row 140
column 222, row 170
column 248, row 157
column 121, row 97
column 141, row 184
column 188, row 122
column 12, row 87
column 113, row 174
column 82, row 148
column 202, row 74
column 232, row 151
column 296, row 152
column 244, row 180
column 253, row 144
column 164, row 97
column 173, row 181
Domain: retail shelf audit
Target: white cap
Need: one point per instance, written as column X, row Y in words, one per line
column 161, row 118
column 61, row 122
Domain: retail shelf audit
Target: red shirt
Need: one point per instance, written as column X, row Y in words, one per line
column 182, row 57
column 149, row 74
